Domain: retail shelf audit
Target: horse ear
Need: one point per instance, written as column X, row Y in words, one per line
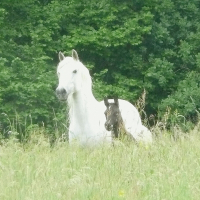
column 116, row 101
column 61, row 56
column 75, row 55
column 106, row 102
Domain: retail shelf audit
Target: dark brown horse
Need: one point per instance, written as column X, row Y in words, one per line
column 114, row 121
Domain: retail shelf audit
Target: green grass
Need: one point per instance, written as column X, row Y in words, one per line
column 167, row 170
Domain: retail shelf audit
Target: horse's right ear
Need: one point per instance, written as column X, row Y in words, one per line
column 116, row 101
column 61, row 56
column 75, row 55
column 106, row 102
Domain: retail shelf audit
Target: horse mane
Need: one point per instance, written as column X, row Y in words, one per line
column 86, row 82
column 64, row 62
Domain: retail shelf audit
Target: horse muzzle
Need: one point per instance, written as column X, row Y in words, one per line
column 61, row 93
column 108, row 127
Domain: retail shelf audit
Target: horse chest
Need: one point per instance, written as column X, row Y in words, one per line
column 83, row 126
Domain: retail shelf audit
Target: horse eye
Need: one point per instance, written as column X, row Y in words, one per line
column 75, row 71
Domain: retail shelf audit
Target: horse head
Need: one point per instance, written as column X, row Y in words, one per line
column 112, row 113
column 71, row 74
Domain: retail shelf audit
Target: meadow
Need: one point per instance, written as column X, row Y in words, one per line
column 167, row 170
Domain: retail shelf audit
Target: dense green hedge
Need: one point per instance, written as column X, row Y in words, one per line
column 128, row 46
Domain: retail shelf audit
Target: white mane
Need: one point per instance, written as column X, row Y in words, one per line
column 86, row 84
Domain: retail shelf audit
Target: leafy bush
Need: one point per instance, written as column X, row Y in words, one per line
column 184, row 101
column 128, row 46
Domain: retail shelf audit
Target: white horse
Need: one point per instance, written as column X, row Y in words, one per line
column 86, row 114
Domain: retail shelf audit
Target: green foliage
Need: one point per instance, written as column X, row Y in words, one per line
column 28, row 77
column 128, row 46
column 185, row 99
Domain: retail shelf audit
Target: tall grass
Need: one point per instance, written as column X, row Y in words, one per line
column 167, row 170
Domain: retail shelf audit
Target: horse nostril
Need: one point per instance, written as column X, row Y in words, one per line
column 107, row 126
column 60, row 91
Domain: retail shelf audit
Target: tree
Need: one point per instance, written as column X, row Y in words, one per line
column 128, row 46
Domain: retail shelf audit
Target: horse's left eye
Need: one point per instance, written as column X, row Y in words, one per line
column 75, row 71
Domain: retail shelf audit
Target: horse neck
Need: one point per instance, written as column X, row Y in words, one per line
column 116, row 131
column 119, row 127
column 82, row 105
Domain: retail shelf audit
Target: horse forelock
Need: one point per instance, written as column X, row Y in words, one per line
column 85, row 75
column 65, row 62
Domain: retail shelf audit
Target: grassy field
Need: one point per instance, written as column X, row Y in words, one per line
column 167, row 170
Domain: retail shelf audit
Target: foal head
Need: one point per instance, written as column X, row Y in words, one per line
column 113, row 116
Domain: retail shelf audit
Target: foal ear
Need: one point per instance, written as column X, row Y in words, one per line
column 106, row 102
column 116, row 101
column 61, row 56
column 75, row 55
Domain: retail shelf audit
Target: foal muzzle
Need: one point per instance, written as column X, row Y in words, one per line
column 108, row 127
